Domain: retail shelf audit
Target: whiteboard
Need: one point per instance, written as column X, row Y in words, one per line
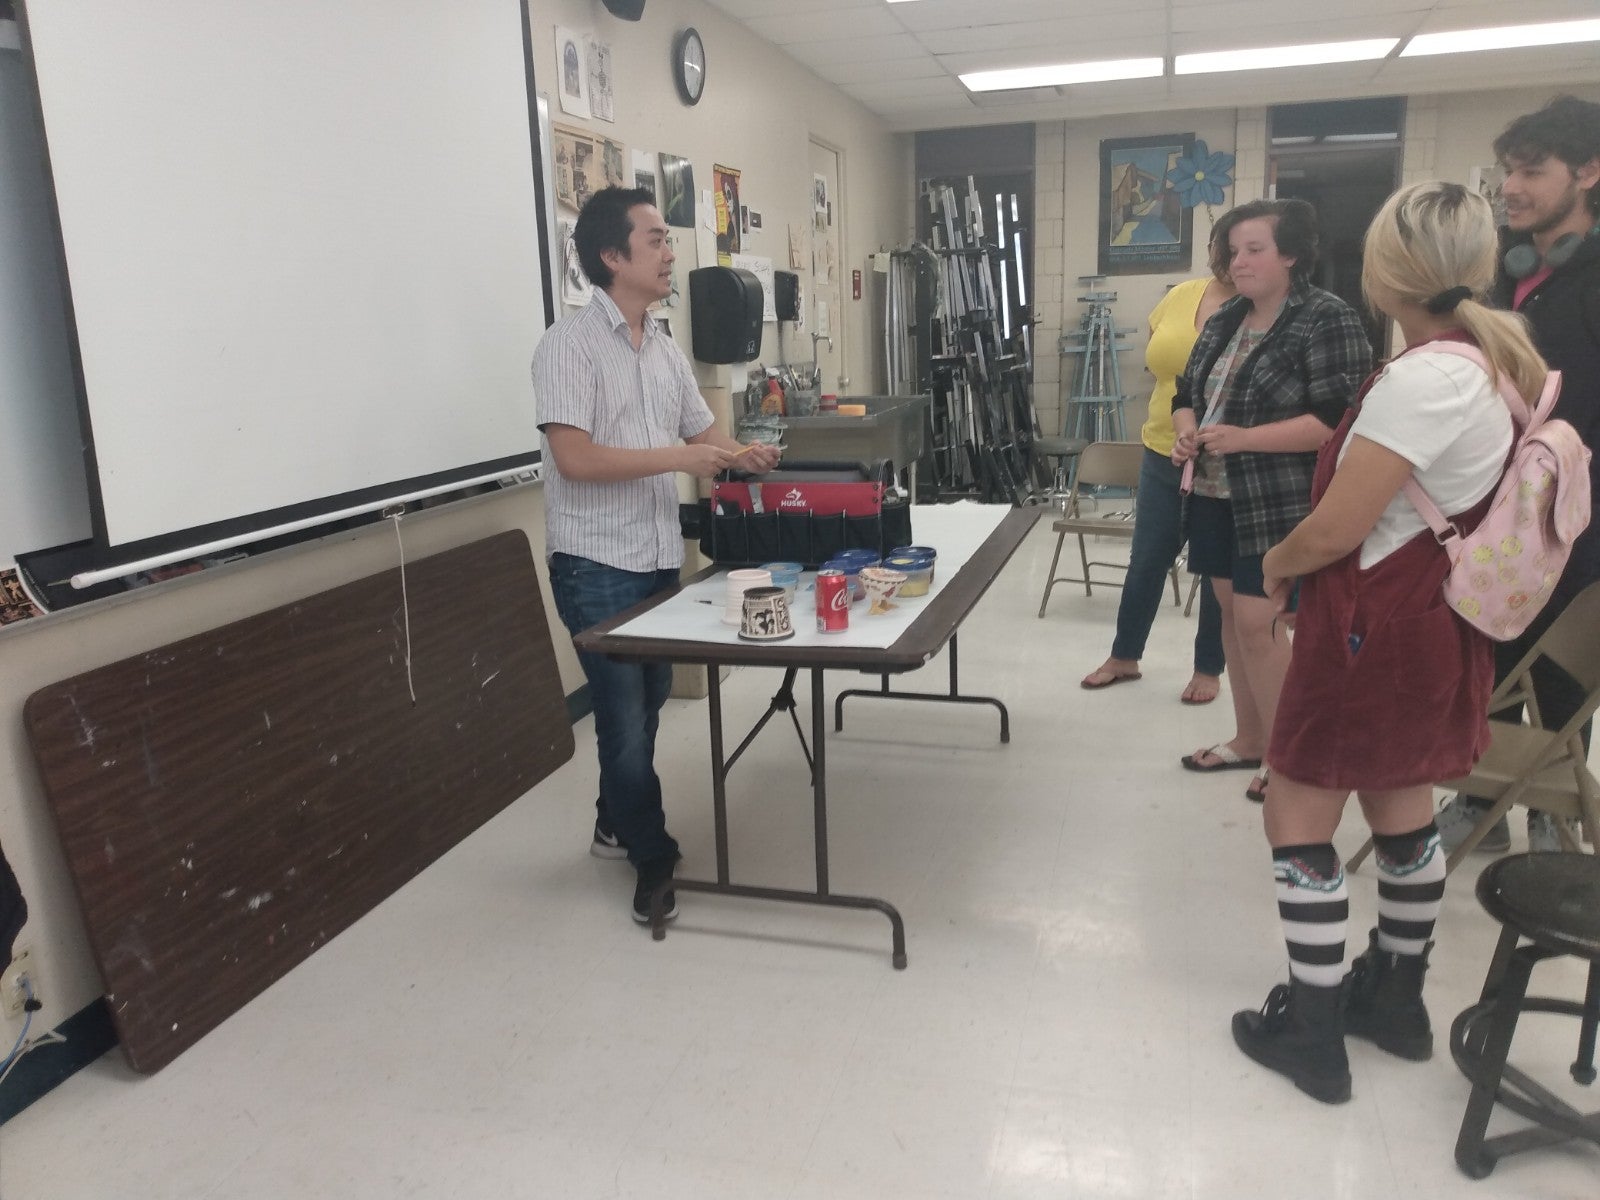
column 304, row 248
column 43, row 498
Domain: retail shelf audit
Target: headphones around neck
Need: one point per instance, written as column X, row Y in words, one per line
column 1522, row 260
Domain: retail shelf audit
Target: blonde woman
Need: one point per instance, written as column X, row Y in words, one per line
column 1388, row 688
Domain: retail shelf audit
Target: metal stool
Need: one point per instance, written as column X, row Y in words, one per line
column 1553, row 900
column 1063, row 453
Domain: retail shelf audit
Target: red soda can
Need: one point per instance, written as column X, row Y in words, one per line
column 833, row 601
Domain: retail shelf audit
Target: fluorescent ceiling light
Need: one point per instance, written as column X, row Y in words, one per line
column 1362, row 137
column 1063, row 74
column 1506, row 37
column 1283, row 56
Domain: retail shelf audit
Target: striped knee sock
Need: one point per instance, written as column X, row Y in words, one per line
column 1314, row 906
column 1410, row 888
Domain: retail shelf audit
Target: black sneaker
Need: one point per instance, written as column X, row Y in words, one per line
column 606, row 844
column 651, row 876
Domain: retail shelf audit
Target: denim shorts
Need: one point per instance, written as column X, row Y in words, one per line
column 1211, row 547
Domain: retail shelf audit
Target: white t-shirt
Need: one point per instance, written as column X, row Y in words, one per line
column 1441, row 414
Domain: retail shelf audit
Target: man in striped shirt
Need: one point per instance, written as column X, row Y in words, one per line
column 621, row 415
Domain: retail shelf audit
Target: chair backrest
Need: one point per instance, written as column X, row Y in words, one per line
column 1110, row 464
column 1573, row 641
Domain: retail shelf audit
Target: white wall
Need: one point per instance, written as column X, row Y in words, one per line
column 758, row 115
column 758, row 112
column 1068, row 217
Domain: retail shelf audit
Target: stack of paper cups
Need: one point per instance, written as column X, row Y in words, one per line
column 739, row 582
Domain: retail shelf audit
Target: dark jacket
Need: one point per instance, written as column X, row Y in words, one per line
column 1312, row 360
column 1564, row 315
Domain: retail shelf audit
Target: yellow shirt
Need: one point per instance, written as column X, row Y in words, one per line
column 1172, row 336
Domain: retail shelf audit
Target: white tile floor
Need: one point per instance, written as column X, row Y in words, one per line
column 1082, row 917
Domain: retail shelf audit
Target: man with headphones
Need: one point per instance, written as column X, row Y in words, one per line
column 1551, row 275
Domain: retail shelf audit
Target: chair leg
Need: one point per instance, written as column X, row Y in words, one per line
column 1194, row 590
column 1471, row 1154
column 1051, row 581
column 1351, row 865
column 1083, row 553
column 1583, row 1065
column 1499, row 809
column 1177, row 595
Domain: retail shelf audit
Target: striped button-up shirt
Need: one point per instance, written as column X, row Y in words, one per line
column 587, row 374
column 1312, row 361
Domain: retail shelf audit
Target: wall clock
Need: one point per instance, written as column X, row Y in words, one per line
column 689, row 66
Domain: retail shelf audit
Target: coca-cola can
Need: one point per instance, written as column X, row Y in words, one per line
column 833, row 601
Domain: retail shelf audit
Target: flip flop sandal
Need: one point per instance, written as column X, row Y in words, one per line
column 1227, row 760
column 1095, row 687
column 1199, row 700
column 1257, row 790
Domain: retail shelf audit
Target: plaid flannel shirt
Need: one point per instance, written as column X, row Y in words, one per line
column 1312, row 360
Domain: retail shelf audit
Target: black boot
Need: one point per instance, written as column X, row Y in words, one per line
column 1383, row 1001
column 1299, row 1033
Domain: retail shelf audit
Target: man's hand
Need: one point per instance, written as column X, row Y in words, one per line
column 759, row 458
column 1224, row 439
column 704, row 460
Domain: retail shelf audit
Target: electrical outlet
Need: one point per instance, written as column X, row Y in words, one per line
column 12, row 993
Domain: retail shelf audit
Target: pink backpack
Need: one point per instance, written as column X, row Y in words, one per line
column 1502, row 573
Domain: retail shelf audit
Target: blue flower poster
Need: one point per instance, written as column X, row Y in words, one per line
column 1145, row 226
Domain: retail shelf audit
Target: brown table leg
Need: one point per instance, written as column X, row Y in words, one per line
column 819, row 793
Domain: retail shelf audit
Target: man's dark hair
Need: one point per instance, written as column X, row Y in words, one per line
column 604, row 225
column 1294, row 231
column 1567, row 127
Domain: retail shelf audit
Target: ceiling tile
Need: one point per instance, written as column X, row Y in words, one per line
column 826, row 25
column 1055, row 41
column 899, row 45
column 901, row 58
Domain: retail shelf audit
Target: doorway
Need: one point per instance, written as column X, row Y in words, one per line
column 1343, row 157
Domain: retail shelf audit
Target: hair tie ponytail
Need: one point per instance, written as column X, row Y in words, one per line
column 1447, row 301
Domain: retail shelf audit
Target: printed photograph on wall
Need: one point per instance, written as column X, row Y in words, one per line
column 1145, row 229
column 677, row 191
column 644, row 173
column 572, row 70
column 584, row 163
column 725, row 195
column 1487, row 182
column 575, row 286
column 601, row 100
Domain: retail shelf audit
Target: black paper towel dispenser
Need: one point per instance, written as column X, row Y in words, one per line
column 725, row 314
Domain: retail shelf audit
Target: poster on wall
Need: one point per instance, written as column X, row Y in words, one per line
column 572, row 69
column 575, row 286
column 725, row 196
column 677, row 191
column 584, row 163
column 1487, row 182
column 644, row 174
column 761, row 268
column 600, row 81
column 1145, row 229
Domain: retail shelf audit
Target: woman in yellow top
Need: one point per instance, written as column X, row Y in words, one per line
column 1158, row 520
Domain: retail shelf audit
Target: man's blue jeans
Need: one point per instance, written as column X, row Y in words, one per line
column 1157, row 538
column 627, row 701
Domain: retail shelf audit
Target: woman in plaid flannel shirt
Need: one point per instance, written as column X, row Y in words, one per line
column 1269, row 379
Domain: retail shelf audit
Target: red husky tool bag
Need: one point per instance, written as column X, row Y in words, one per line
column 804, row 513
